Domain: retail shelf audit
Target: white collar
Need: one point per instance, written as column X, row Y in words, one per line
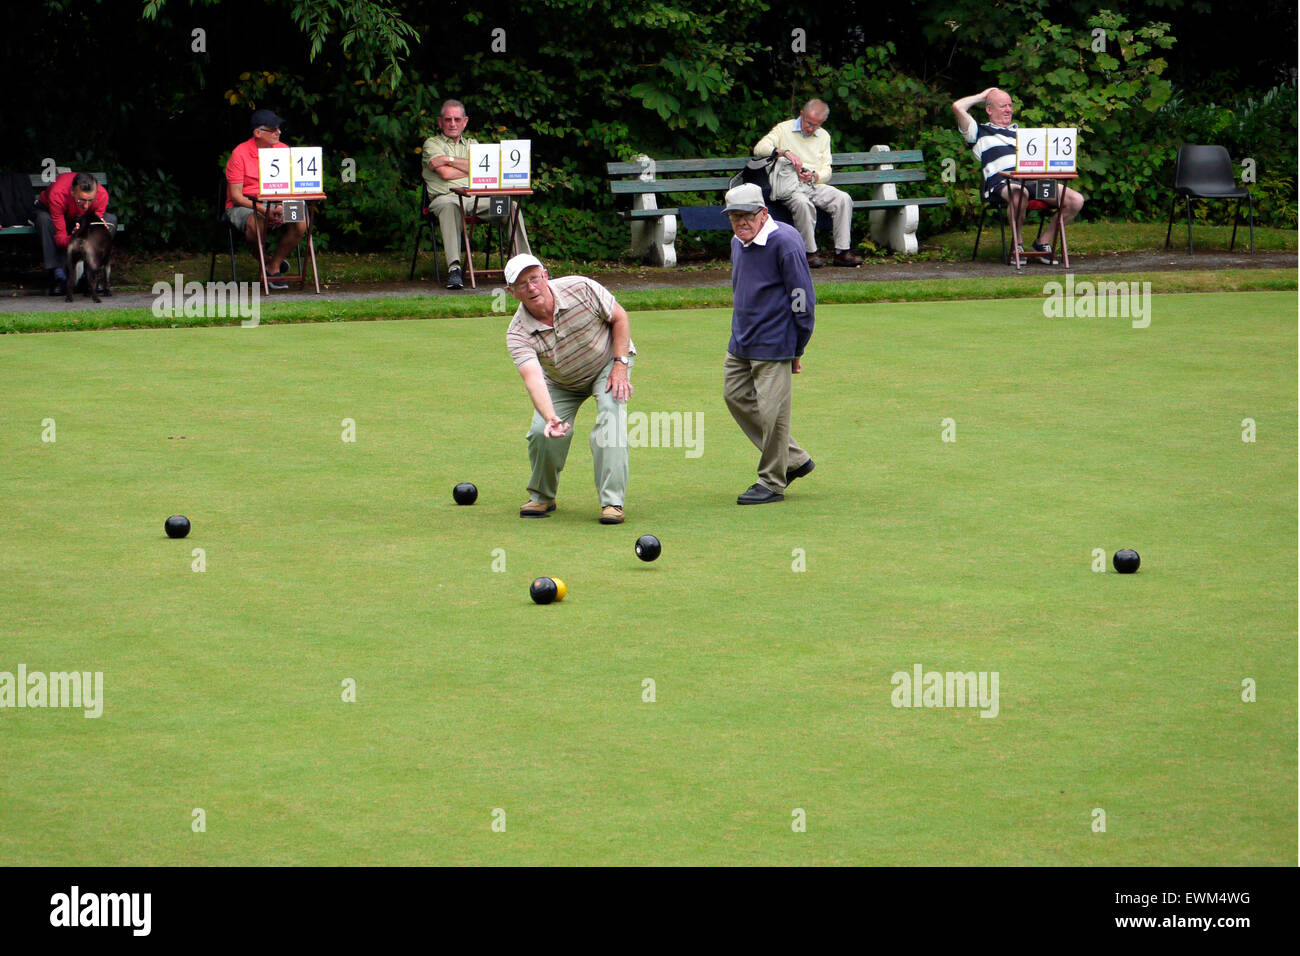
column 769, row 227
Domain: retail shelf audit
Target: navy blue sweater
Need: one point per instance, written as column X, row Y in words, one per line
column 772, row 297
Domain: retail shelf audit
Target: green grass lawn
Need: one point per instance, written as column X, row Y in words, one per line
column 329, row 561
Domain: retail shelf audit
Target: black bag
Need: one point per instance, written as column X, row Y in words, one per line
column 759, row 172
column 16, row 199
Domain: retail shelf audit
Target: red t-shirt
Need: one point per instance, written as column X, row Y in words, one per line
column 244, row 168
column 57, row 198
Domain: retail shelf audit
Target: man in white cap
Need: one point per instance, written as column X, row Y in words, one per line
column 570, row 342
column 771, row 323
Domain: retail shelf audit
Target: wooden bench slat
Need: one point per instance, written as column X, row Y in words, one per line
column 735, row 163
column 875, row 176
column 626, row 214
column 678, row 166
column 710, row 183
column 704, row 184
column 874, row 159
column 899, row 203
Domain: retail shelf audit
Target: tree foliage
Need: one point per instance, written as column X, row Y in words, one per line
column 167, row 93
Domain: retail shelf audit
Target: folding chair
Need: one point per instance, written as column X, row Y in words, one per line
column 224, row 228
column 231, row 233
column 471, row 220
column 998, row 204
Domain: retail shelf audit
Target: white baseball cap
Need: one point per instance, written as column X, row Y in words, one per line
column 518, row 264
column 746, row 197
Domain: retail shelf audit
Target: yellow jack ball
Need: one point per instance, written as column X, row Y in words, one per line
column 560, row 589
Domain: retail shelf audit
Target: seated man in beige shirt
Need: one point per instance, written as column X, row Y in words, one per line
column 445, row 164
column 808, row 147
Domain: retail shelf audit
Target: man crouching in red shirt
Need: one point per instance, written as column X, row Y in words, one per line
column 70, row 196
column 243, row 181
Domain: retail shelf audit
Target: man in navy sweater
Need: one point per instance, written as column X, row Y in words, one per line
column 771, row 323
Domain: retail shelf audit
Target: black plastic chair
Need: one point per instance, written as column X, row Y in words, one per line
column 1206, row 172
column 471, row 220
column 231, row 233
column 999, row 205
column 223, row 226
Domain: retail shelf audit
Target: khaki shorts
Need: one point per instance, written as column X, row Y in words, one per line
column 238, row 216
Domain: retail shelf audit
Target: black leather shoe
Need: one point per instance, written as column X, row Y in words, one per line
column 454, row 279
column 60, row 287
column 804, row 469
column 758, row 495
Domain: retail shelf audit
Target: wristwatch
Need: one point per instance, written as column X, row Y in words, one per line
column 624, row 359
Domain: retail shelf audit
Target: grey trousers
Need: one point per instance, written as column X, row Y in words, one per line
column 759, row 395
column 608, row 443
column 447, row 209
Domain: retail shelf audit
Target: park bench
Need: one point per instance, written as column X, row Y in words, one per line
column 654, row 229
column 38, row 186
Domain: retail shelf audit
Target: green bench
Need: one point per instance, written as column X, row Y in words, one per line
column 654, row 229
column 38, row 186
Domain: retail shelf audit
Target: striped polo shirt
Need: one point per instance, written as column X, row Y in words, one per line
column 580, row 345
column 995, row 148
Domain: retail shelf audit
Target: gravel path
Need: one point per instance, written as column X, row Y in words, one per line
column 14, row 299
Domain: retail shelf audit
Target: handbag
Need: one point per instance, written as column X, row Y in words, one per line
column 785, row 180
column 774, row 175
column 759, row 172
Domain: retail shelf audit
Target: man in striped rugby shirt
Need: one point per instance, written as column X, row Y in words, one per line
column 570, row 342
column 994, row 145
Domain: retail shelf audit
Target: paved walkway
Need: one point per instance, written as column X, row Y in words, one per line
column 13, row 299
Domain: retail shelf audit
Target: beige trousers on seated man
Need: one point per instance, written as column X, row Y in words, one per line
column 803, row 211
column 447, row 209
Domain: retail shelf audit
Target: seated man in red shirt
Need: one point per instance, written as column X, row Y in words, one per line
column 243, row 181
column 70, row 196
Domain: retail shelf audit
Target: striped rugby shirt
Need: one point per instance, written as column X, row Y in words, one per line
column 580, row 345
column 995, row 148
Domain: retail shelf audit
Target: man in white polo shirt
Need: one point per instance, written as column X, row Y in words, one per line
column 570, row 342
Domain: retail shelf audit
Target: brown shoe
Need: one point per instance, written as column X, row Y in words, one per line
column 815, row 260
column 536, row 509
column 611, row 514
column 847, row 258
